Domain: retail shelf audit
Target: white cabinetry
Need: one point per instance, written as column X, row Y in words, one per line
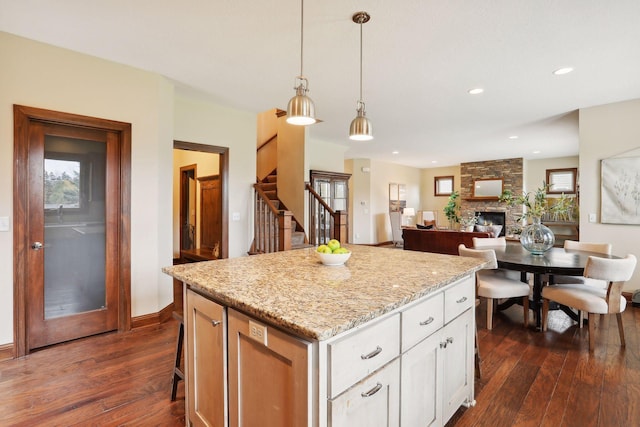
column 413, row 367
column 437, row 373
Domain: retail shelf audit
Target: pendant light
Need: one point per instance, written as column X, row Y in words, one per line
column 300, row 110
column 360, row 129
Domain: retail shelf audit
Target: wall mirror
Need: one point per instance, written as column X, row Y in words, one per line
column 561, row 181
column 443, row 185
column 487, row 188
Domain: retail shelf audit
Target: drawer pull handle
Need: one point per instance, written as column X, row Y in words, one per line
column 461, row 300
column 444, row 344
column 374, row 353
column 215, row 322
column 372, row 391
column 426, row 322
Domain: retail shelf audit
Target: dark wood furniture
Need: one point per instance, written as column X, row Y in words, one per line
column 555, row 261
column 438, row 241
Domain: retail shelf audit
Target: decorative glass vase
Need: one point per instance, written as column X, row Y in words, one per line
column 537, row 238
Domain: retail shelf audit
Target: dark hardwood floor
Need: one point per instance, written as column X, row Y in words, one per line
column 107, row 380
column 528, row 378
column 532, row 378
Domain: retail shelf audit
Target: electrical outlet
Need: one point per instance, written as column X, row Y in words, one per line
column 258, row 332
column 4, row 223
column 235, row 216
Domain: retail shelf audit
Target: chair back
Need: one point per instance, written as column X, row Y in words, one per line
column 483, row 242
column 488, row 255
column 601, row 248
column 428, row 218
column 609, row 269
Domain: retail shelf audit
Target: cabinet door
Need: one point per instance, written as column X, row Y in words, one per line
column 373, row 402
column 206, row 373
column 458, row 362
column 421, row 376
column 269, row 376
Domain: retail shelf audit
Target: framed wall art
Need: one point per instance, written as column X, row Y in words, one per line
column 620, row 190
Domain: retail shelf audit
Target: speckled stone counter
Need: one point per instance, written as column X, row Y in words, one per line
column 294, row 291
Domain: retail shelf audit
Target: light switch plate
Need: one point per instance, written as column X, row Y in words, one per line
column 4, row 223
column 592, row 217
column 235, row 216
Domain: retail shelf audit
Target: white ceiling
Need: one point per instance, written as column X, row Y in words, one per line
column 420, row 59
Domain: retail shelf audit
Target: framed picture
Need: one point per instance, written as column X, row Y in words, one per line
column 397, row 197
column 561, row 181
column 443, row 185
column 620, row 190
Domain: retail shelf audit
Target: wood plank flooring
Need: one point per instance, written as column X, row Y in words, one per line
column 528, row 378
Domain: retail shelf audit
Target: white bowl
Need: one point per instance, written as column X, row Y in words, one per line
column 333, row 259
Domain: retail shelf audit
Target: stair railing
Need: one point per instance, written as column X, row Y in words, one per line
column 325, row 223
column 272, row 227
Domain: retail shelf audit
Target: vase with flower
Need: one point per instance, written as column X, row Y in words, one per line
column 535, row 237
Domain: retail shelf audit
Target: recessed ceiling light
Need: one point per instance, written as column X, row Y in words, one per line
column 434, row 161
column 513, row 137
column 476, row 91
column 395, row 152
column 561, row 71
column 536, row 152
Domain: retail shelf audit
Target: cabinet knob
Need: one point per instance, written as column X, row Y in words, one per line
column 215, row 322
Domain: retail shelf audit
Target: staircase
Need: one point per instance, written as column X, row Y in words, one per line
column 267, row 226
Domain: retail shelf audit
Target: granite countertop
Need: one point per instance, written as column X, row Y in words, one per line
column 294, row 291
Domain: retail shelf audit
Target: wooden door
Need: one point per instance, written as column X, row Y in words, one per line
column 71, row 267
column 210, row 212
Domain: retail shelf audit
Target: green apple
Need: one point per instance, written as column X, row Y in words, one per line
column 324, row 249
column 341, row 251
column 333, row 244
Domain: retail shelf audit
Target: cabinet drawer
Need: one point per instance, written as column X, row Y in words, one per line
column 375, row 401
column 421, row 320
column 459, row 298
column 356, row 355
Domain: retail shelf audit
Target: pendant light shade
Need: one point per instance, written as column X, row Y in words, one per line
column 361, row 129
column 301, row 110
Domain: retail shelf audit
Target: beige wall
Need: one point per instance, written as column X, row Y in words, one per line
column 381, row 175
column 427, row 190
column 81, row 84
column 204, row 122
column 206, row 164
column 360, row 218
column 607, row 131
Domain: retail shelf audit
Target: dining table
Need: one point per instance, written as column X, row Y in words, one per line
column 555, row 261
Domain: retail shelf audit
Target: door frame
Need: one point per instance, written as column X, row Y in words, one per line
column 23, row 116
column 223, row 171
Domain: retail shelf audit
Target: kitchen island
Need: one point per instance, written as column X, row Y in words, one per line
column 280, row 339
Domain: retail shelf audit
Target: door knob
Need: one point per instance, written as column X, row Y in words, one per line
column 36, row 246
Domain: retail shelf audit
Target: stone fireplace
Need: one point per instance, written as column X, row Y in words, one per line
column 511, row 171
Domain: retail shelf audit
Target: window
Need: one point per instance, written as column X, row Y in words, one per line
column 562, row 181
column 61, row 184
column 443, row 185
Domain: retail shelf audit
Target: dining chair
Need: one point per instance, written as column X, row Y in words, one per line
column 592, row 299
column 601, row 248
column 485, row 242
column 492, row 284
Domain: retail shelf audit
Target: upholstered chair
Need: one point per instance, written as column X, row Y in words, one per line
column 593, row 299
column 493, row 284
column 486, row 242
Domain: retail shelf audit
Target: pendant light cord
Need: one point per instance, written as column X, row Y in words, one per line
column 361, row 60
column 301, row 34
